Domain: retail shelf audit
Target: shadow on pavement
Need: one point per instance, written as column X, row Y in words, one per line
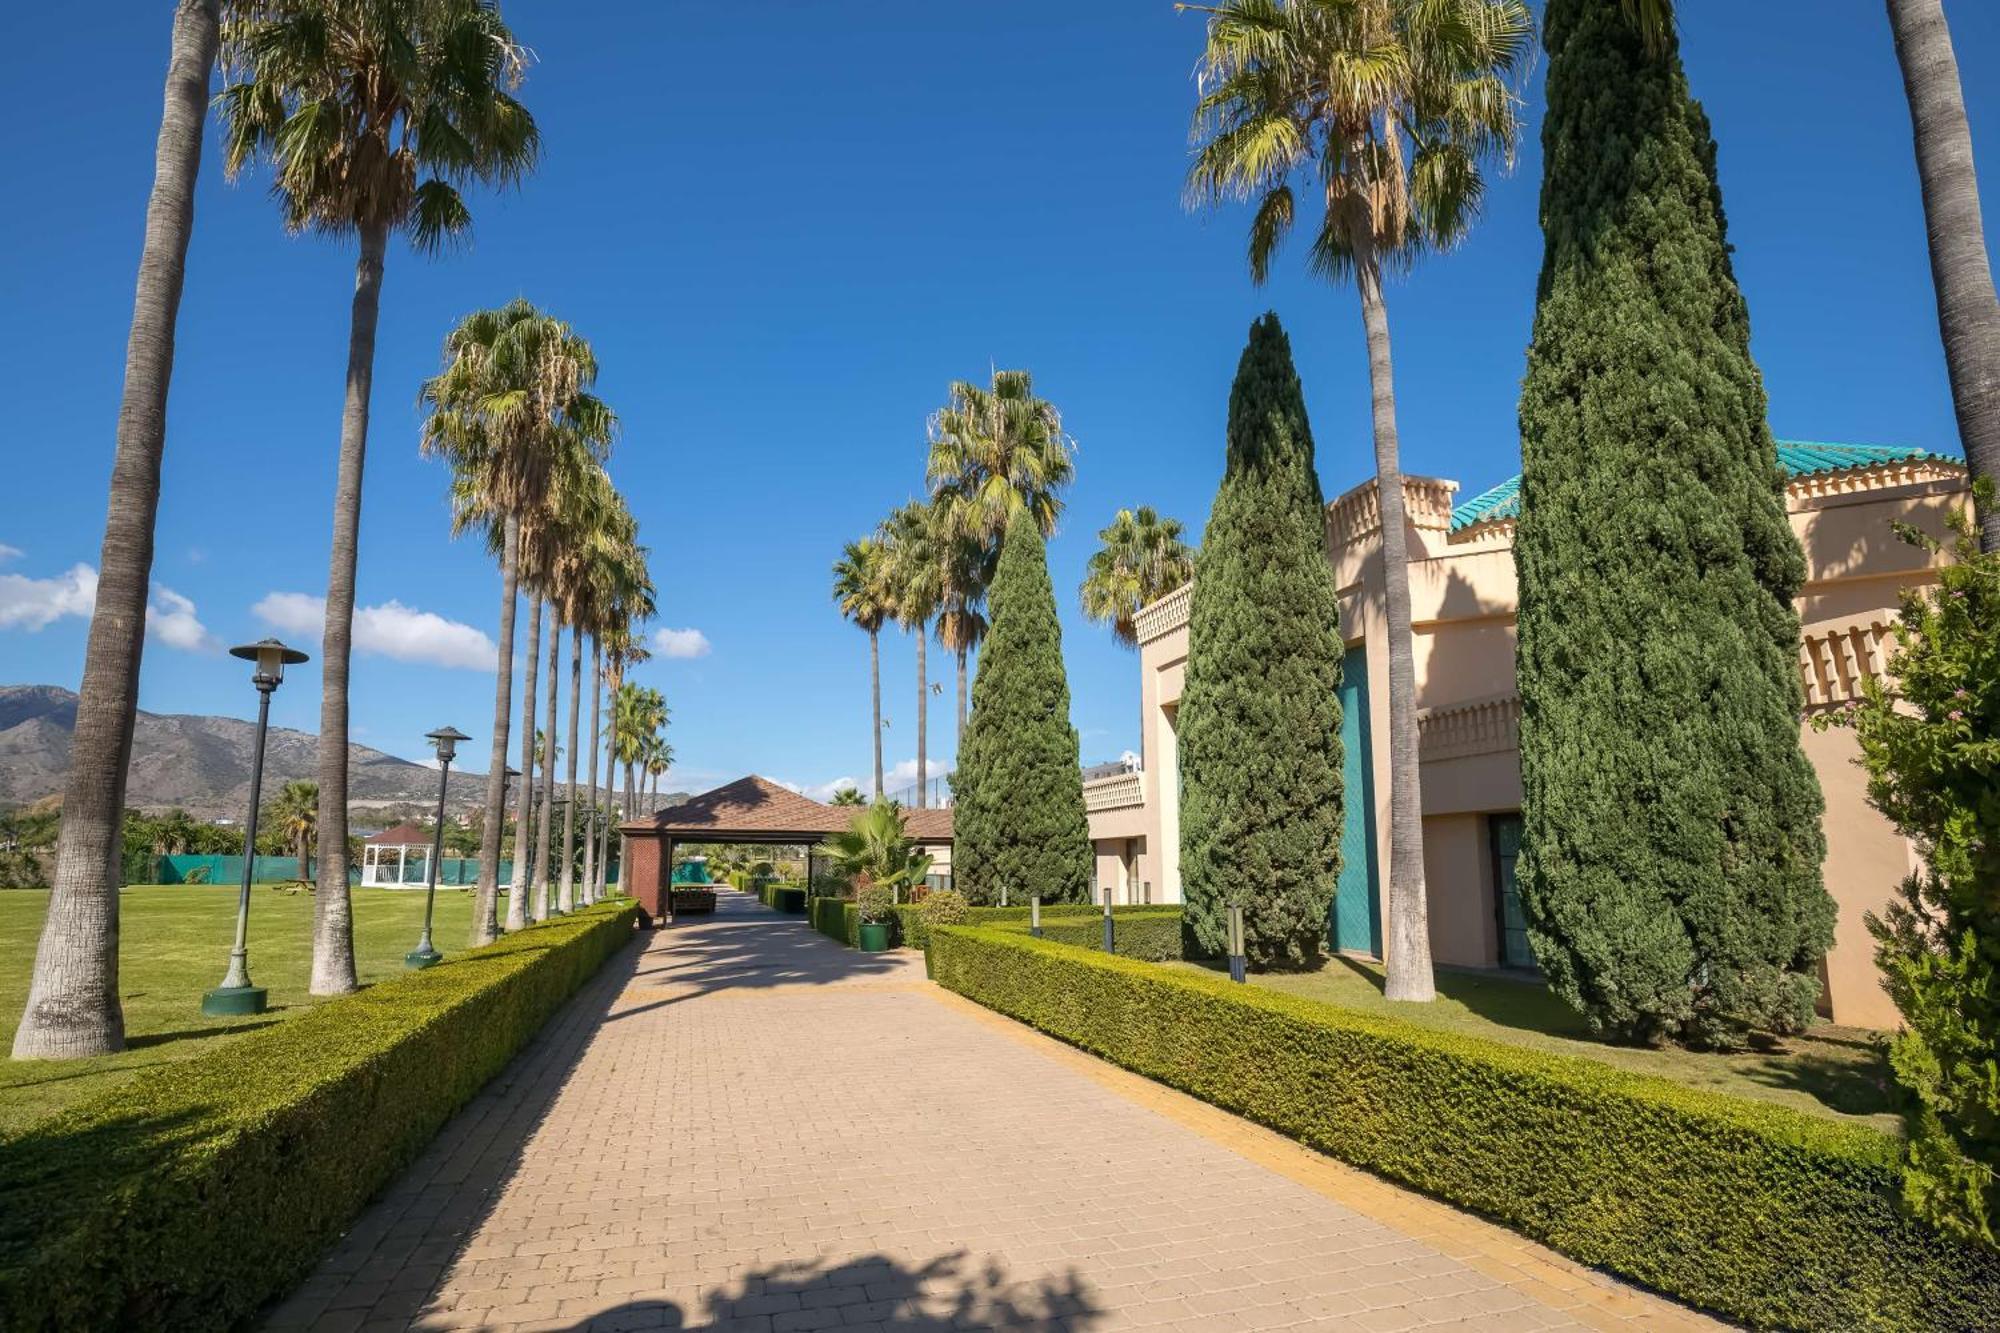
column 950, row 1293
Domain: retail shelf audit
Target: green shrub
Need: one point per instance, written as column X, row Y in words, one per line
column 875, row 904
column 916, row 933
column 946, row 907
column 786, row 898
column 197, row 1192
column 835, row 918
column 1762, row 1213
column 1149, row 934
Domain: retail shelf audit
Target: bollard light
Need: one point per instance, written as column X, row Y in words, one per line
column 1035, row 916
column 236, row 995
column 1237, row 964
column 1110, row 939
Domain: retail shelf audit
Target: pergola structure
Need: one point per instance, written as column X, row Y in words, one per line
column 396, row 858
column 748, row 810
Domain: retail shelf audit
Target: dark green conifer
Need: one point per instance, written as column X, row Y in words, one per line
column 1671, row 867
column 1018, row 818
column 1259, row 721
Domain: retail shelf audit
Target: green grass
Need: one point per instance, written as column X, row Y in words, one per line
column 174, row 944
column 1834, row 1071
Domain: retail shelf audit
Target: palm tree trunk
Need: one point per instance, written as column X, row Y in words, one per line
column 1968, row 312
column 524, row 817
column 610, row 780
column 567, row 899
column 875, row 694
column 73, row 1007
column 545, row 825
column 923, row 712
column 1408, row 951
column 333, row 913
column 485, row 925
column 590, row 832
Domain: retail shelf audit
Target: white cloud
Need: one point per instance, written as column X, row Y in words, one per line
column 10, row 553
column 389, row 630
column 34, row 604
column 27, row 603
column 826, row 791
column 680, row 643
column 171, row 619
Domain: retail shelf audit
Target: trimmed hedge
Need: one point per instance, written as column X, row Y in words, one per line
column 1147, row 935
column 781, row 897
column 192, row 1195
column 836, row 918
column 1759, row 1212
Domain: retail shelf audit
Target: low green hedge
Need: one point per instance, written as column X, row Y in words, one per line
column 1762, row 1213
column 836, row 918
column 1075, row 923
column 190, row 1196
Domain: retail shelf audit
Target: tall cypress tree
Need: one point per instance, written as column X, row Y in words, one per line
column 1018, row 819
column 1260, row 711
column 1671, row 867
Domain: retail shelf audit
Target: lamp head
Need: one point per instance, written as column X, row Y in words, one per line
column 446, row 740
column 271, row 657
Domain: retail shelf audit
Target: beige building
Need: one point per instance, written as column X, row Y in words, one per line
column 1842, row 500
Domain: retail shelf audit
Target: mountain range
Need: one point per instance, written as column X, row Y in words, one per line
column 200, row 764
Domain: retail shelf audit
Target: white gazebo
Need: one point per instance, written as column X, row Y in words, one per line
column 397, row 858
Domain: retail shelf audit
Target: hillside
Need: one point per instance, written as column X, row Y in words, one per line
column 201, row 764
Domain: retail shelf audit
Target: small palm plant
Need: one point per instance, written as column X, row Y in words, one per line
column 877, row 850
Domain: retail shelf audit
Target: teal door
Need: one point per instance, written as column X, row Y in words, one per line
column 1357, row 906
column 1505, row 831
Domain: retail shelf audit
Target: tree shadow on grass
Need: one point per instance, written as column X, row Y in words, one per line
column 946, row 1294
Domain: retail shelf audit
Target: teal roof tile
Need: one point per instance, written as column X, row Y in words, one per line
column 1799, row 458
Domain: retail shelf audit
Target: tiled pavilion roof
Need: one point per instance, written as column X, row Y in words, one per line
column 1798, row 458
column 758, row 809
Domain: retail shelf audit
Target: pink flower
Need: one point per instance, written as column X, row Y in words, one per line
column 1955, row 715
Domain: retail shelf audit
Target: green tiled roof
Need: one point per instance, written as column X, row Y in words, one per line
column 1799, row 458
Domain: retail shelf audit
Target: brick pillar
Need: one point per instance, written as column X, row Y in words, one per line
column 643, row 874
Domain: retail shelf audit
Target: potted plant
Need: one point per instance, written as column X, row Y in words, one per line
column 875, row 907
column 884, row 862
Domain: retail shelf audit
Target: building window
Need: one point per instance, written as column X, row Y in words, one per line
column 1504, row 835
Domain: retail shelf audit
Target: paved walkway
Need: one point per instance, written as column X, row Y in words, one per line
column 742, row 1125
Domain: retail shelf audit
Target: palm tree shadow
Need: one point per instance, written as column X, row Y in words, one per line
column 946, row 1294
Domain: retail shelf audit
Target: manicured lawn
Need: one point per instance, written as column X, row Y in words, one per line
column 1829, row 1070
column 175, row 944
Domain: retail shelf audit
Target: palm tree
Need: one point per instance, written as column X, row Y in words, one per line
column 531, row 751
column 659, row 758
column 294, row 816
column 550, row 753
column 967, row 569
column 877, row 849
column 601, row 528
column 1390, row 109
column 1968, row 312
column 629, row 593
column 848, row 796
column 622, row 650
column 73, row 1007
column 911, row 537
column 861, row 588
column 1142, row 560
column 512, row 413
column 998, row 449
column 371, row 114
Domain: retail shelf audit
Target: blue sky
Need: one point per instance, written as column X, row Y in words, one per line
column 785, row 238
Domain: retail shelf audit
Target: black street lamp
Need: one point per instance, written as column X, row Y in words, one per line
column 557, row 807
column 236, row 995
column 446, row 740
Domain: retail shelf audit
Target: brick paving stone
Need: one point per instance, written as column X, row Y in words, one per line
column 741, row 1125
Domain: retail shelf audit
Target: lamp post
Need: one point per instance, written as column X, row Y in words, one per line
column 236, row 995
column 557, row 807
column 446, row 740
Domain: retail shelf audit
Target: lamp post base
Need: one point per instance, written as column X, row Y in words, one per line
column 231, row 1001
column 421, row 958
